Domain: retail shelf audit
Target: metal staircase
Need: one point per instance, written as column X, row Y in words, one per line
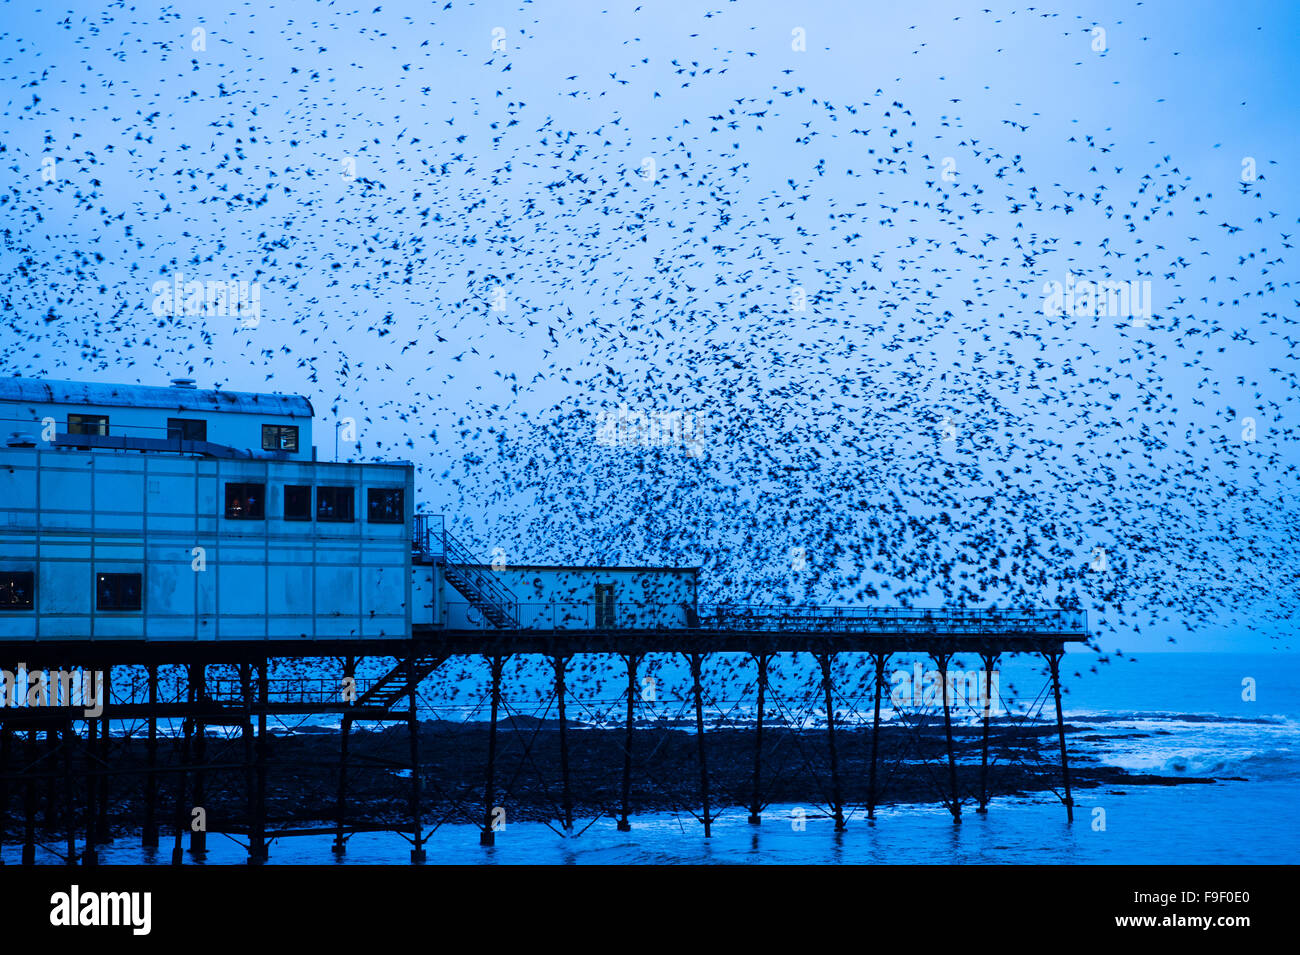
column 395, row 684
column 435, row 544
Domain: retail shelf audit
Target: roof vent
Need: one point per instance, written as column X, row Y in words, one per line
column 182, row 382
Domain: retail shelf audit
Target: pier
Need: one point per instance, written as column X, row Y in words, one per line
column 56, row 762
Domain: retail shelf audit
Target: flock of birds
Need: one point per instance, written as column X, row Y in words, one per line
column 836, row 299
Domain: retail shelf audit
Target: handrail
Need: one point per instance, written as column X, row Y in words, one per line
column 656, row 615
column 455, row 553
column 434, row 542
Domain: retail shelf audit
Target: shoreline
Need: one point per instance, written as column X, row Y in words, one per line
column 303, row 773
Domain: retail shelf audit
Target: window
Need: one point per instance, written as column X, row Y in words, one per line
column 297, row 502
column 334, row 504
column 279, row 437
column 187, row 429
column 604, row 606
column 384, row 505
column 117, row 592
column 245, row 502
column 88, row 424
column 16, row 589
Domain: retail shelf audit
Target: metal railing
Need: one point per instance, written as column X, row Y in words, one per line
column 426, row 535
column 972, row 620
column 432, row 540
column 665, row 615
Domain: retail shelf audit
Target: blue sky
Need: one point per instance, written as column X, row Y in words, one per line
column 381, row 171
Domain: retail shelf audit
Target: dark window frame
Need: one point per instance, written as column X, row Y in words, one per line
column 306, row 514
column 351, row 498
column 260, row 498
column 77, row 424
column 271, row 434
column 372, row 503
column 177, row 428
column 119, row 606
column 7, row 590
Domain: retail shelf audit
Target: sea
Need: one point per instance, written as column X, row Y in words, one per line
column 1232, row 717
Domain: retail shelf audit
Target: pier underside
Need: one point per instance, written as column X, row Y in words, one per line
column 204, row 725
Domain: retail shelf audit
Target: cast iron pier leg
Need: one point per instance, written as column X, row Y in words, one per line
column 875, row 737
column 105, row 690
column 1054, row 660
column 566, row 799
column 984, row 749
column 838, row 805
column 92, row 731
column 340, row 846
column 149, row 835
column 696, row 659
column 5, row 742
column 51, row 779
column 755, row 803
column 257, row 848
column 70, row 806
column 88, row 856
column 488, row 837
column 413, row 728
column 631, row 659
column 199, row 837
column 29, row 802
column 181, row 781
column 955, row 803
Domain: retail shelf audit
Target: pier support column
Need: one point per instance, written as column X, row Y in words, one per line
column 340, row 846
column 1054, row 661
column 488, row 836
column 180, row 819
column 199, row 681
column 247, row 738
column 942, row 660
column 875, row 735
column 149, row 834
column 51, row 778
column 92, row 791
column 837, row 805
column 257, row 848
column 696, row 659
column 631, row 659
column 566, row 796
column 105, row 689
column 413, row 732
column 6, row 743
column 989, row 660
column 89, row 855
column 70, row 804
column 29, row 801
column 755, row 802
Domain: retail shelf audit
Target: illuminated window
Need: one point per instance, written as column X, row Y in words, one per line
column 17, row 588
column 88, row 424
column 279, row 437
column 245, row 502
